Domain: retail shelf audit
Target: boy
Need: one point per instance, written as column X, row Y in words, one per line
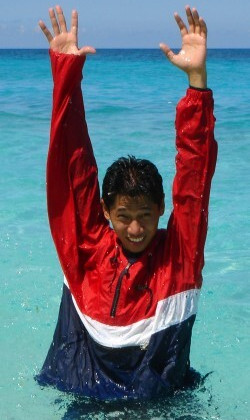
column 130, row 293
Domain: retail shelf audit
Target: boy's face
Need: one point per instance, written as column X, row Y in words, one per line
column 135, row 220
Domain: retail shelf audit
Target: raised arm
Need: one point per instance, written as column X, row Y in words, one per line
column 197, row 150
column 74, row 209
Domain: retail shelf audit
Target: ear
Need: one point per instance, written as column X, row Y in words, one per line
column 162, row 206
column 105, row 210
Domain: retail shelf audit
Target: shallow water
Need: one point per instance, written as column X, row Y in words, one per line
column 130, row 98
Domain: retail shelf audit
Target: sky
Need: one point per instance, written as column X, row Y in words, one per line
column 126, row 23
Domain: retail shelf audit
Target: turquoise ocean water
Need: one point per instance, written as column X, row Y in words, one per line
column 130, row 98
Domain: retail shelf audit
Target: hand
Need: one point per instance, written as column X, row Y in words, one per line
column 64, row 41
column 192, row 56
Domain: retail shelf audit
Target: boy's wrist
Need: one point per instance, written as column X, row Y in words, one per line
column 198, row 79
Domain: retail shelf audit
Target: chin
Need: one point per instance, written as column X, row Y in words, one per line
column 136, row 246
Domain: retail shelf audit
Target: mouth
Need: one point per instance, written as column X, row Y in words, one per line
column 137, row 240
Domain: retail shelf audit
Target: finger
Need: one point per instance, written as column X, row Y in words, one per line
column 45, row 30
column 74, row 23
column 167, row 51
column 61, row 19
column 181, row 24
column 54, row 22
column 87, row 50
column 203, row 28
column 190, row 20
column 196, row 21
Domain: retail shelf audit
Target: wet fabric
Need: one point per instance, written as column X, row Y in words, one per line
column 76, row 363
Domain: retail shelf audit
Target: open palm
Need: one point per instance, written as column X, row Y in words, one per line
column 64, row 41
column 192, row 56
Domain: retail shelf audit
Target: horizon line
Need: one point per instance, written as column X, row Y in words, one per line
column 124, row 48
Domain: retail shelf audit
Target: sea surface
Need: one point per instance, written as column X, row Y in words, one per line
column 130, row 98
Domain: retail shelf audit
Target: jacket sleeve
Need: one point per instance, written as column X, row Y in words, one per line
column 75, row 214
column 195, row 165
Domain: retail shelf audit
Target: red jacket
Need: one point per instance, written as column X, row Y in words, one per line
column 161, row 288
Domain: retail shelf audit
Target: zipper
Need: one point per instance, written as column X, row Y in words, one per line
column 118, row 290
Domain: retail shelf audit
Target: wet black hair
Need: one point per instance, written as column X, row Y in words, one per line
column 132, row 177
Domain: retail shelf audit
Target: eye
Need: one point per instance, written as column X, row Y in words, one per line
column 122, row 217
column 146, row 215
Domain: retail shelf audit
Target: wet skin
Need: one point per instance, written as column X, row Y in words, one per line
column 135, row 221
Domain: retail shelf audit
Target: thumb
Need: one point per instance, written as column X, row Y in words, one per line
column 167, row 51
column 87, row 50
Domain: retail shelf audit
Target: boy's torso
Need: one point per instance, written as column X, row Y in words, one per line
column 123, row 303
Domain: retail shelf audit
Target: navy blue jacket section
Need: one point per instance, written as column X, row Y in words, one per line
column 76, row 363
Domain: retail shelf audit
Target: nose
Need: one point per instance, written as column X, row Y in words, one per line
column 135, row 228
